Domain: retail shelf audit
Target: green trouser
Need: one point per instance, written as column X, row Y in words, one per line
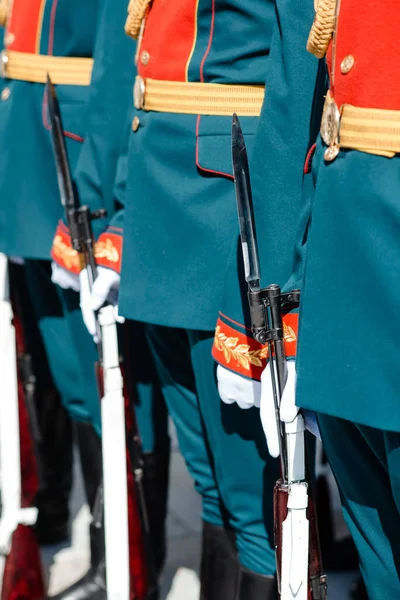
column 31, row 333
column 366, row 465
column 72, row 355
column 224, row 447
column 70, row 349
column 150, row 408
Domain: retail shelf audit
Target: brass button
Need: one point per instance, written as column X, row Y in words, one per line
column 5, row 94
column 9, row 38
column 3, row 64
column 135, row 123
column 331, row 153
column 144, row 58
column 138, row 92
column 347, row 64
column 330, row 121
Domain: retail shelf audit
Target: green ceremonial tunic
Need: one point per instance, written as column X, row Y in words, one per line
column 349, row 319
column 29, row 198
column 28, row 223
column 180, row 214
column 347, row 356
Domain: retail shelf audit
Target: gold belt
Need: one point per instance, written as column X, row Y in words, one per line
column 63, row 70
column 372, row 130
column 187, row 97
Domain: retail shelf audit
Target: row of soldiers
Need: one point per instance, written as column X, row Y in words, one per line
column 168, row 254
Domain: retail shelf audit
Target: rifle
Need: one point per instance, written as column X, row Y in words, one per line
column 21, row 573
column 130, row 566
column 298, row 555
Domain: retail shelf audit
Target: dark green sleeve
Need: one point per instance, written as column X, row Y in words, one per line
column 109, row 102
column 106, row 114
column 109, row 244
column 284, row 136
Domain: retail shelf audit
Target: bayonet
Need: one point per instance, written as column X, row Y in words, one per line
column 245, row 208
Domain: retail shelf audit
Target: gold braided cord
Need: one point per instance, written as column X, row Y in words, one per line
column 322, row 28
column 136, row 13
column 4, row 8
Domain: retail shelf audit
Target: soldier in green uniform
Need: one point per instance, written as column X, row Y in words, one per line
column 351, row 278
column 52, row 433
column 177, row 226
column 100, row 183
column 62, row 40
column 347, row 266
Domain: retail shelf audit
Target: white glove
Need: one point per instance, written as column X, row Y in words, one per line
column 267, row 405
column 105, row 288
column 234, row 388
column 288, row 409
column 64, row 278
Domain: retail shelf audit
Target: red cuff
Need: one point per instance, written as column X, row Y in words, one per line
column 238, row 351
column 62, row 251
column 108, row 251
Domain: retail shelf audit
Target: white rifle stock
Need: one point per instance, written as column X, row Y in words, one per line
column 114, row 462
column 295, row 528
column 294, row 538
column 12, row 514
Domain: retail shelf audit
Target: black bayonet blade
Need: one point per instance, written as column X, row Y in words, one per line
column 245, row 207
column 60, row 151
column 78, row 218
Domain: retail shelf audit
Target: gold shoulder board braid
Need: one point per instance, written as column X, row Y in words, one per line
column 3, row 12
column 322, row 28
column 136, row 13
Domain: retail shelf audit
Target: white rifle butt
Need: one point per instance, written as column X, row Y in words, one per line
column 295, row 528
column 114, row 463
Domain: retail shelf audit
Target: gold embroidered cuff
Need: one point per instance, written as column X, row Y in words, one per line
column 108, row 250
column 236, row 349
column 322, row 28
column 63, row 253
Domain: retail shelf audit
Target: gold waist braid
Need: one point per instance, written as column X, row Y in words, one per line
column 63, row 70
column 371, row 130
column 198, row 98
